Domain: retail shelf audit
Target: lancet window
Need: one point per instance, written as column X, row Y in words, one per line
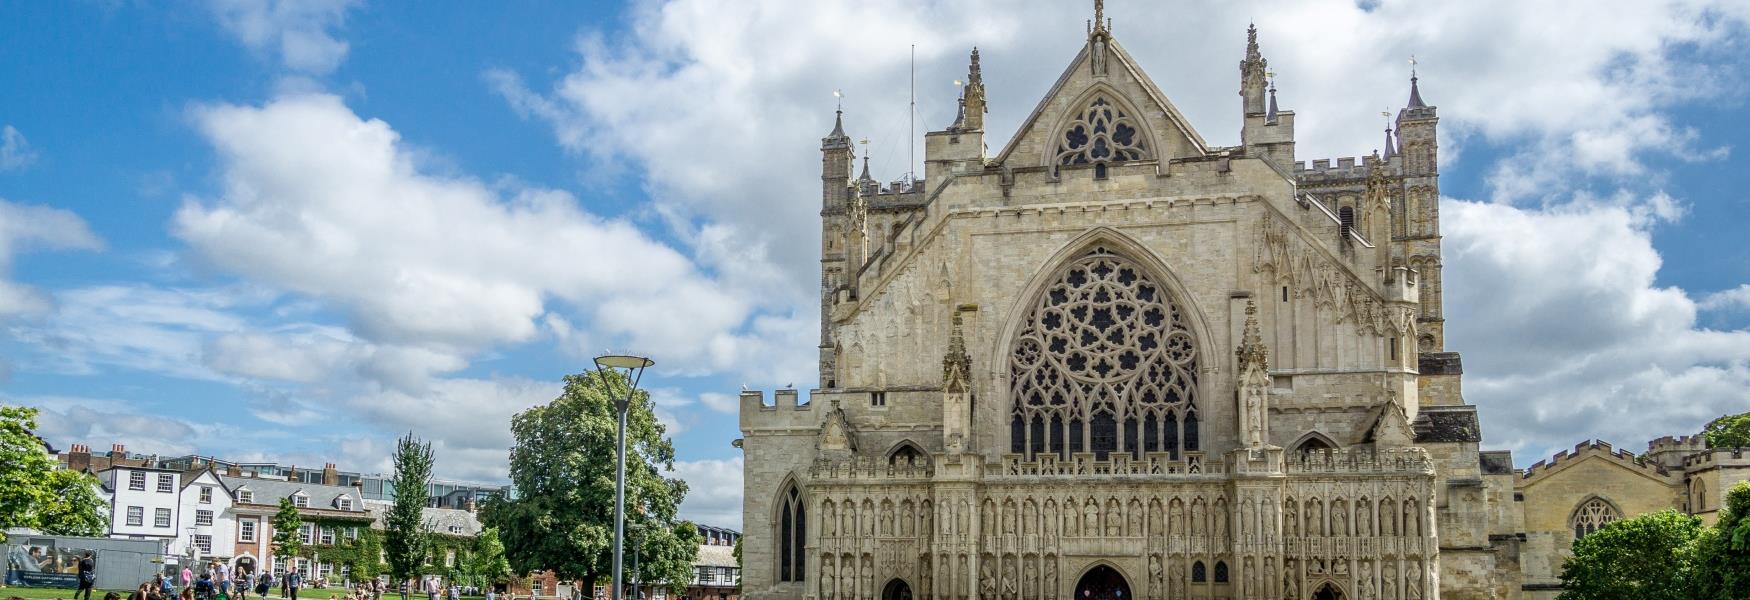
column 1592, row 515
column 792, row 532
column 1101, row 133
column 1104, row 363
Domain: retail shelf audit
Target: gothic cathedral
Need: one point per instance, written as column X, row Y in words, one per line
column 1116, row 361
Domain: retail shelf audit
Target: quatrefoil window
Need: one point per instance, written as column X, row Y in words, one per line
column 1101, row 133
column 1104, row 362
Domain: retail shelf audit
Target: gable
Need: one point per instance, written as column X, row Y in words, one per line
column 1102, row 71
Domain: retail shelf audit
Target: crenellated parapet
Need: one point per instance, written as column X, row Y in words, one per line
column 1591, row 448
column 1348, row 171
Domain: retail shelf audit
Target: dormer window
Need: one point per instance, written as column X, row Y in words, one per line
column 246, row 496
column 343, row 503
column 300, row 500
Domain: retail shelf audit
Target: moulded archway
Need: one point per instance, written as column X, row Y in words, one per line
column 1329, row 591
column 1102, row 583
column 896, row 589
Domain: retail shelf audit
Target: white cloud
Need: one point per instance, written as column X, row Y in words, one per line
column 324, row 203
column 1734, row 298
column 299, row 32
column 135, row 326
column 15, row 151
column 723, row 403
column 468, row 420
column 713, row 491
column 1567, row 336
column 26, row 227
column 64, row 420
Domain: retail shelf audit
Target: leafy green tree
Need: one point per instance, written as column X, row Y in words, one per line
column 33, row 493
column 562, row 466
column 74, row 508
column 405, row 539
column 1730, row 431
column 486, row 561
column 286, row 541
column 1725, row 555
column 1649, row 557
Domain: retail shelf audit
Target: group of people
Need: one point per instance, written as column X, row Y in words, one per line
column 217, row 582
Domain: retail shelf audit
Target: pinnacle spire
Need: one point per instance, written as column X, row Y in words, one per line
column 865, row 175
column 1251, row 350
column 1100, row 24
column 1252, row 52
column 838, row 124
column 1270, row 114
column 1415, row 92
column 1390, row 151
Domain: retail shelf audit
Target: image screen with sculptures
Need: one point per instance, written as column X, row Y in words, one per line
column 1115, row 361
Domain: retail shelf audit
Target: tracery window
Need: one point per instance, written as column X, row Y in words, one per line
column 1592, row 515
column 1106, row 362
column 792, row 532
column 1101, row 133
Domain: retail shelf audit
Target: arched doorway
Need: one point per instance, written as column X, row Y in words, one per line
column 896, row 590
column 1102, row 583
column 1328, row 592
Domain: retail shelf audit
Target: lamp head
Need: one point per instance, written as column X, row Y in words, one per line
column 622, row 361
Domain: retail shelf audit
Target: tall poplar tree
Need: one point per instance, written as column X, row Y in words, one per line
column 286, row 540
column 405, row 540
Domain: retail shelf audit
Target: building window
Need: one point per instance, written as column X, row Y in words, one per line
column 166, row 483
column 539, row 587
column 1101, row 133
column 1198, row 574
column 246, row 496
column 136, row 515
column 300, row 500
column 1592, row 515
column 206, row 494
column 352, row 533
column 450, row 558
column 307, row 533
column 345, row 504
column 792, row 536
column 1220, row 572
column 203, row 517
column 1700, row 496
column 161, row 517
column 1103, row 324
column 328, row 535
column 877, row 398
column 246, row 530
column 204, row 542
column 137, row 481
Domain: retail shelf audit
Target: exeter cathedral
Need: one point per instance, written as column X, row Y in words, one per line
column 1116, row 361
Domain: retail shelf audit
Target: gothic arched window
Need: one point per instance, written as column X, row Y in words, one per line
column 1700, row 503
column 1198, row 575
column 792, row 535
column 1104, row 348
column 1220, row 572
column 1592, row 515
column 1101, row 133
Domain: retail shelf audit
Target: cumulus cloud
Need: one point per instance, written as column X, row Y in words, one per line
column 1734, row 298
column 15, row 151
column 713, row 491
column 298, row 32
column 1567, row 336
column 27, row 227
column 64, row 420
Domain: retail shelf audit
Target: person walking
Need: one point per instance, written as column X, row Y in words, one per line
column 245, row 581
column 187, row 576
column 294, row 580
column 432, row 586
column 87, row 575
column 264, row 584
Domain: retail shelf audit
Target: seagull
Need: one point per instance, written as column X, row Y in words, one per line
column 744, row 388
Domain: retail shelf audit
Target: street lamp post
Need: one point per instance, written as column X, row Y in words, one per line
column 633, row 369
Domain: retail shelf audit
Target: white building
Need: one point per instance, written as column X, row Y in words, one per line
column 144, row 501
column 206, row 519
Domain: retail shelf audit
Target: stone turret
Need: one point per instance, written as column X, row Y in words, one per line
column 1418, row 147
column 837, row 195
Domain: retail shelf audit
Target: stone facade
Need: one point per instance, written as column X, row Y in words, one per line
column 1115, row 359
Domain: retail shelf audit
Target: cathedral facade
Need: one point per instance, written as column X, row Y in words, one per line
column 1116, row 361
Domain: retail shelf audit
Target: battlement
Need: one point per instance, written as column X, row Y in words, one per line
column 1596, row 447
column 1720, row 457
column 1347, row 169
column 784, row 412
column 1684, row 443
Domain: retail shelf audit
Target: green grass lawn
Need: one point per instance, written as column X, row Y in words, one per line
column 34, row 593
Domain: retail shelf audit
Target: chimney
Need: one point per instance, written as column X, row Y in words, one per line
column 234, row 471
column 79, row 457
column 292, row 473
column 329, row 475
column 118, row 451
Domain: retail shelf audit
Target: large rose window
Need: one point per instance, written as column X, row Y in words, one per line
column 1103, row 363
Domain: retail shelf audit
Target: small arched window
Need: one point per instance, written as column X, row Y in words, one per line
column 1700, row 503
column 1198, row 575
column 792, row 535
column 1592, row 515
column 1220, row 572
column 1346, row 216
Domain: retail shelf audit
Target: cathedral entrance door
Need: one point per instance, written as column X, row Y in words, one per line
column 1102, row 583
column 1328, row 592
column 896, row 590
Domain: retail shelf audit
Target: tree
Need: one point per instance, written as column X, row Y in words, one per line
column 405, row 539
column 1730, row 431
column 562, row 466
column 36, row 495
column 486, row 561
column 1725, row 556
column 287, row 542
column 1649, row 557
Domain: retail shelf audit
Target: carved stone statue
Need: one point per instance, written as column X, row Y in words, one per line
column 1363, row 522
column 1269, row 574
column 1178, row 582
column 826, row 580
column 1008, row 590
column 1412, row 583
column 987, row 582
column 868, row 576
column 1388, row 575
column 1339, row 526
column 924, row 589
column 887, row 520
column 1090, row 518
column 1050, row 577
column 1156, row 581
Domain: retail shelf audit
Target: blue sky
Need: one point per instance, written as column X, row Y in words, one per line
column 292, row 230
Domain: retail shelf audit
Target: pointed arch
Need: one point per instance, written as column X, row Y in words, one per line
column 1152, row 361
column 1592, row 514
column 1312, row 441
column 1100, row 104
column 907, row 452
column 790, row 531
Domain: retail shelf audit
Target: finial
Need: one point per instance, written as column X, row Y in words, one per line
column 1390, row 150
column 1415, row 91
column 838, row 119
column 975, row 75
column 1099, row 12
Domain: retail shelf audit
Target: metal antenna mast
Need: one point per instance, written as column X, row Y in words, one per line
column 911, row 127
